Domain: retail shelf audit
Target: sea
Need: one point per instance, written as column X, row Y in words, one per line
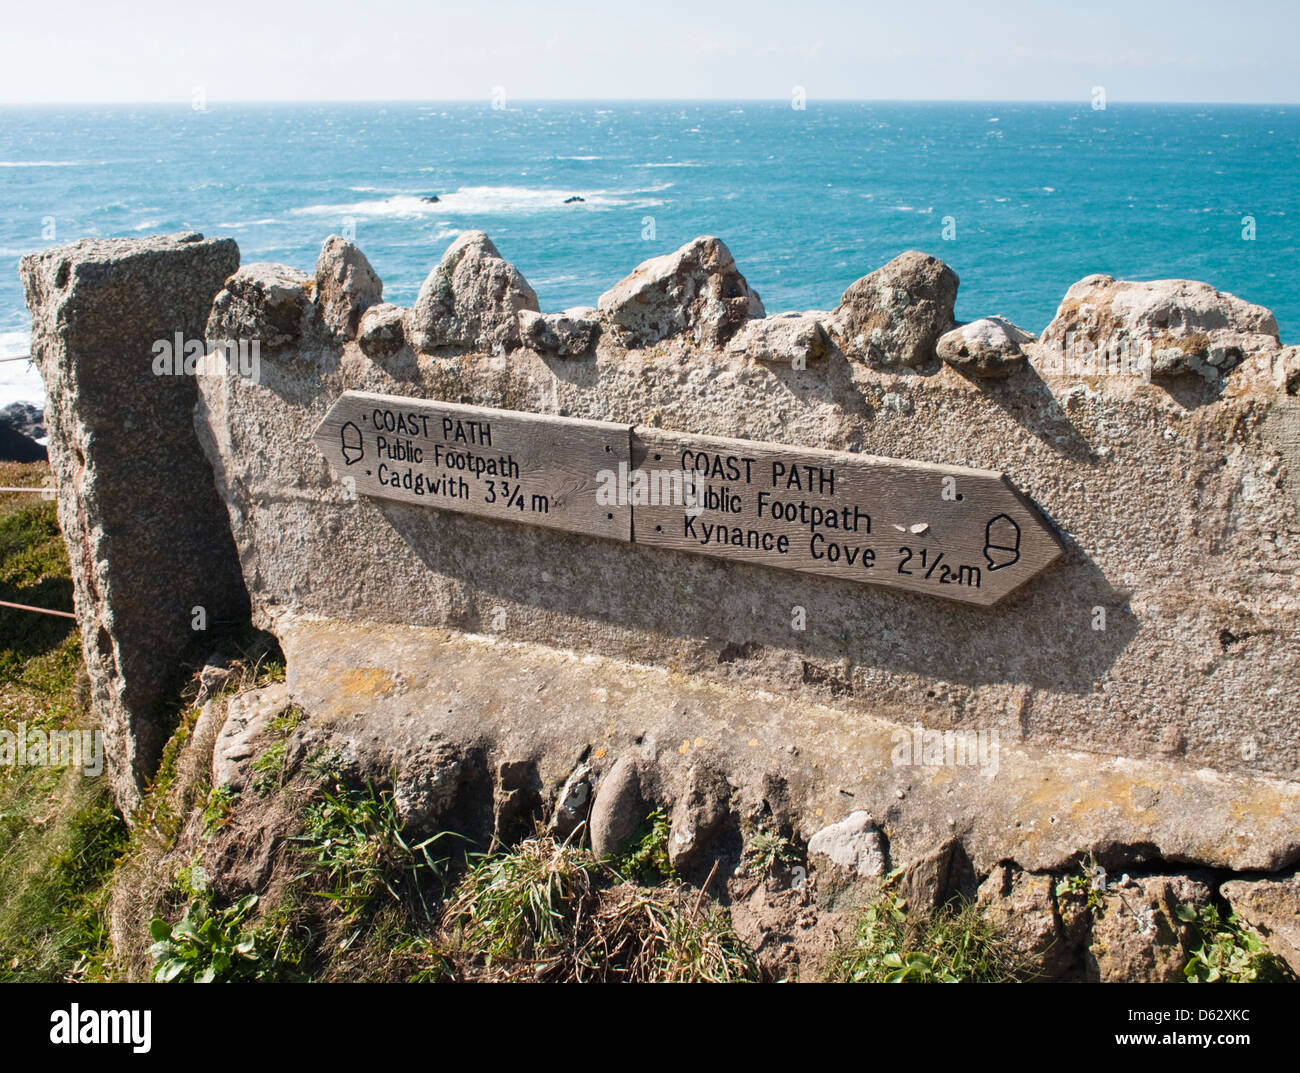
column 1020, row 199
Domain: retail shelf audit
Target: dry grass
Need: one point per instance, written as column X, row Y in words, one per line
column 550, row 911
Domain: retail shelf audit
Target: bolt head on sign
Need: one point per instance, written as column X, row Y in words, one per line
column 946, row 531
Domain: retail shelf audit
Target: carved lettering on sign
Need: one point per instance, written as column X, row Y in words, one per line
column 502, row 464
column 962, row 534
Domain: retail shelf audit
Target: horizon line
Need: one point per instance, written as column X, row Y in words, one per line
column 1083, row 101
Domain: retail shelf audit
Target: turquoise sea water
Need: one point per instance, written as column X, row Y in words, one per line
column 1040, row 194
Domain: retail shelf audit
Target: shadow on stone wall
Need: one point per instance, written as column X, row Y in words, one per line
column 721, row 606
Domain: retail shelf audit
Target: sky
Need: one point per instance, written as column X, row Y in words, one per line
column 57, row 51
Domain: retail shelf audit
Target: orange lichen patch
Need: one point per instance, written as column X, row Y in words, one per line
column 1263, row 803
column 365, row 681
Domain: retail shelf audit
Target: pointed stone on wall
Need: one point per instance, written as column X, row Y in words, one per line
column 989, row 347
column 794, row 339
column 569, row 334
column 346, row 286
column 471, row 300
column 266, row 302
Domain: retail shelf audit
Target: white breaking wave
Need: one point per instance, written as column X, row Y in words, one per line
column 51, row 163
column 14, row 343
column 475, row 200
column 402, row 206
column 19, row 380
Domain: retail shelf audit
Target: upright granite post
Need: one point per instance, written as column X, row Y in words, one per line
column 149, row 539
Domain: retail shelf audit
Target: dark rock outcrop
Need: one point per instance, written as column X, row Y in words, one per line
column 25, row 418
column 896, row 315
column 15, row 446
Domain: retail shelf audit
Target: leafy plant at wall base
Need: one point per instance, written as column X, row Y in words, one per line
column 221, row 802
column 1086, row 885
column 646, row 860
column 768, row 852
column 287, row 721
column 1229, row 952
column 547, row 910
column 207, row 946
column 268, row 769
column 522, row 904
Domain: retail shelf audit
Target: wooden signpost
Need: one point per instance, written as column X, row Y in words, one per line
column 503, row 464
column 962, row 534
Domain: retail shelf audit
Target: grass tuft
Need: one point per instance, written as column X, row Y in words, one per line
column 547, row 910
column 353, row 842
column 953, row 944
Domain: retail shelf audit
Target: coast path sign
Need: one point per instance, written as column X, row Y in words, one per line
column 947, row 531
column 963, row 534
column 503, row 464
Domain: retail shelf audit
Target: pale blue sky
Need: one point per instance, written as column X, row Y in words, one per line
column 158, row 50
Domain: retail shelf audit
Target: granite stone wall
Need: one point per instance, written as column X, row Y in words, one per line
column 1153, row 426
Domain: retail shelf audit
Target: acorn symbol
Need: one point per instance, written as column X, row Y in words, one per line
column 1001, row 542
column 353, row 448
